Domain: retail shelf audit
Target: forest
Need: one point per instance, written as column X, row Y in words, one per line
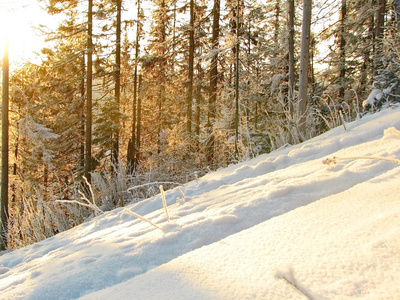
column 130, row 95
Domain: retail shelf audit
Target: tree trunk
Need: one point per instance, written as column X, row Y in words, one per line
column 132, row 154
column 237, row 72
column 82, row 119
column 88, row 133
column 379, row 34
column 162, row 78
column 115, row 152
column 291, row 66
column 304, row 66
column 4, row 152
column 213, row 83
column 191, row 69
column 342, row 66
column 139, row 120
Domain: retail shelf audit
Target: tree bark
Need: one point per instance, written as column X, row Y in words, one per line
column 342, row 66
column 191, row 69
column 237, row 73
column 304, row 66
column 132, row 155
column 379, row 34
column 291, row 79
column 89, row 79
column 213, row 83
column 139, row 120
column 4, row 151
column 115, row 152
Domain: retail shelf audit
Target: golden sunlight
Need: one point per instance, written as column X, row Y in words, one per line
column 17, row 19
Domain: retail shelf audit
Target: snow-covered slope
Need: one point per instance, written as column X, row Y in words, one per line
column 282, row 226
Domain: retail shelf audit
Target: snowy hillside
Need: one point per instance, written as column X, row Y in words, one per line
column 288, row 225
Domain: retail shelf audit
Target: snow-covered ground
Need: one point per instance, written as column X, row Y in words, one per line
column 291, row 224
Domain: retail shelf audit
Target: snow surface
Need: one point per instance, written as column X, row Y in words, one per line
column 285, row 225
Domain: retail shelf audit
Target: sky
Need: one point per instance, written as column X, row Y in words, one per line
column 17, row 18
column 318, row 220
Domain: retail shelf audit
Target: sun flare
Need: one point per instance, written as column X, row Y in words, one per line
column 16, row 25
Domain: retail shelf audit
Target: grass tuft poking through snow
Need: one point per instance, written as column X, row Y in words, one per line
column 90, row 204
column 164, row 201
column 289, row 277
column 142, row 218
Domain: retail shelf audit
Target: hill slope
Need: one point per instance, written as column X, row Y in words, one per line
column 281, row 226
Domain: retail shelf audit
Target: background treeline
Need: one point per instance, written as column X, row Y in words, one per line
column 130, row 94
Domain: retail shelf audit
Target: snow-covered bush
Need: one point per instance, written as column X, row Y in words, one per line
column 386, row 88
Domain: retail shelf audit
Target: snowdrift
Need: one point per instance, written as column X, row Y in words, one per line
column 318, row 220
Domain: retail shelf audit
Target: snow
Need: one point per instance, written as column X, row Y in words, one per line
column 292, row 224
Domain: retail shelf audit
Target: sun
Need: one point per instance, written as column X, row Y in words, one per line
column 17, row 19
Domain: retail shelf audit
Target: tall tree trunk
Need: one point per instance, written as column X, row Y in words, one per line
column 276, row 23
column 115, row 152
column 139, row 120
column 342, row 66
column 367, row 69
column 199, row 98
column 379, row 33
column 162, row 78
column 82, row 120
column 132, row 154
column 213, row 83
column 191, row 69
column 291, row 67
column 4, row 152
column 304, row 67
column 89, row 79
column 237, row 73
